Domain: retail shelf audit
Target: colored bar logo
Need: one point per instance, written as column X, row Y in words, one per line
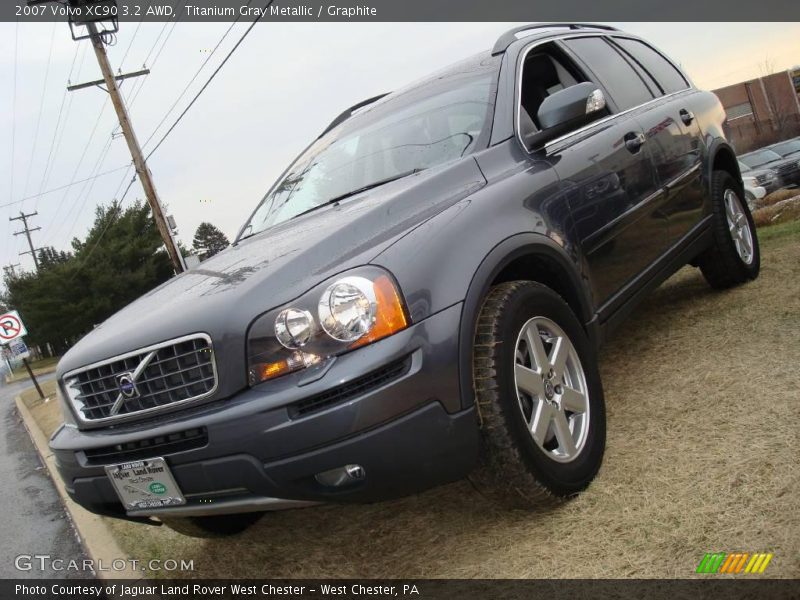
column 736, row 562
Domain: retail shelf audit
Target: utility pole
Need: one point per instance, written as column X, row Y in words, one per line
column 11, row 270
column 27, row 231
column 136, row 152
column 84, row 14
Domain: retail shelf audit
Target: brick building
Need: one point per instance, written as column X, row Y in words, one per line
column 764, row 110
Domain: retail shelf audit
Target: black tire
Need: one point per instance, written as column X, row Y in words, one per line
column 512, row 468
column 212, row 526
column 721, row 264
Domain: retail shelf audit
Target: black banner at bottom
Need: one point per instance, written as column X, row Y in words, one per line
column 422, row 589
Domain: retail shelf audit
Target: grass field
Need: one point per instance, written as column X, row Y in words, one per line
column 39, row 367
column 702, row 391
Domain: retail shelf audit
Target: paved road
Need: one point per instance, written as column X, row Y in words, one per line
column 33, row 519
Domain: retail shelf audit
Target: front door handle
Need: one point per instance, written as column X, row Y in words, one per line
column 634, row 141
column 687, row 116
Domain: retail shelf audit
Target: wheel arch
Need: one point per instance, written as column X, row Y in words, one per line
column 722, row 158
column 525, row 256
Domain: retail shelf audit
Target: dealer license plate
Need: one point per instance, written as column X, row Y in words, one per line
column 145, row 484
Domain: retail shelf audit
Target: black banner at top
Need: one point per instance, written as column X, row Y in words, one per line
column 400, row 10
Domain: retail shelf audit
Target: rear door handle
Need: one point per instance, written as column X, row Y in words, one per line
column 634, row 141
column 687, row 116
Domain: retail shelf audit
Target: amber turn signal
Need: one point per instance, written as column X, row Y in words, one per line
column 390, row 316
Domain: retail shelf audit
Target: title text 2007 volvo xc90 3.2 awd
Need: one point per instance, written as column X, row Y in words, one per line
column 419, row 297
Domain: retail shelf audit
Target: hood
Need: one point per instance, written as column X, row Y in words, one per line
column 223, row 295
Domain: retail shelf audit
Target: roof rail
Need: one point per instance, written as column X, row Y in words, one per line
column 349, row 112
column 510, row 36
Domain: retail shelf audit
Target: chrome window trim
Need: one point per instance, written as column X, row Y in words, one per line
column 663, row 55
column 138, row 414
column 609, row 118
column 518, row 92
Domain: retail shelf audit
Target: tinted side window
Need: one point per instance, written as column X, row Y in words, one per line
column 620, row 79
column 668, row 77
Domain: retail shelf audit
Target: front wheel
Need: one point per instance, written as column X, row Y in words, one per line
column 734, row 257
column 539, row 397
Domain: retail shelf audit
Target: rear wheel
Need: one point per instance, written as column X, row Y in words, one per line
column 734, row 257
column 212, row 526
column 539, row 395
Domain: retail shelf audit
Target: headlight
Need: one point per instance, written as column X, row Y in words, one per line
column 294, row 328
column 749, row 181
column 337, row 316
column 347, row 309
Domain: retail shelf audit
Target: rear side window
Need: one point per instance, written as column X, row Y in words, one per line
column 615, row 73
column 668, row 77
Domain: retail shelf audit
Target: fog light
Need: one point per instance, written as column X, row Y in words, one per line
column 341, row 476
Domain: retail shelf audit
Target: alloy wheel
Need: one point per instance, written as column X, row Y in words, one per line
column 551, row 389
column 739, row 226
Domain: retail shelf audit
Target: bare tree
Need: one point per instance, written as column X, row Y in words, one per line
column 780, row 106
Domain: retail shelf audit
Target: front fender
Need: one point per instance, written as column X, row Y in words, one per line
column 510, row 249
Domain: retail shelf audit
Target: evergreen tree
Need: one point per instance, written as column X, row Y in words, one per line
column 209, row 240
column 49, row 257
column 122, row 258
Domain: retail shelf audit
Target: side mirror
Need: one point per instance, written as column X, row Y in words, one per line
column 566, row 110
column 574, row 103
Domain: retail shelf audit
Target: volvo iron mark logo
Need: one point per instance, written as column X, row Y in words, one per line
column 127, row 387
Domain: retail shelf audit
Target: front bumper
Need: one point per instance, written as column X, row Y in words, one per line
column 256, row 451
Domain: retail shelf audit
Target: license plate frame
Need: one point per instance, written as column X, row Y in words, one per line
column 145, row 484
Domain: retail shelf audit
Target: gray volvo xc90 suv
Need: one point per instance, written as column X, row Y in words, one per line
column 419, row 297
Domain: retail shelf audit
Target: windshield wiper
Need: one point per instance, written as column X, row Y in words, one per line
column 356, row 191
column 338, row 198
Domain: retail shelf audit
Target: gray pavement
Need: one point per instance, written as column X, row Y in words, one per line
column 33, row 519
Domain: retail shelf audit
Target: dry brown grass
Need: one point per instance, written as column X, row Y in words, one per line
column 778, row 212
column 39, row 367
column 702, row 390
column 46, row 413
column 778, row 196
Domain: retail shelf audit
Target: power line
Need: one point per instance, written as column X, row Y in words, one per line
column 55, row 131
column 144, row 62
column 68, row 185
column 13, row 124
column 80, row 162
column 101, row 159
column 14, row 111
column 135, row 94
column 66, row 119
column 191, row 81
column 128, row 49
column 210, row 79
column 41, row 107
column 110, row 220
column 66, row 116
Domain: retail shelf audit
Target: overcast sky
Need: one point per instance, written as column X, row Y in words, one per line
column 278, row 91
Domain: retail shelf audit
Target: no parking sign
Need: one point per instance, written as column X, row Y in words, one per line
column 11, row 327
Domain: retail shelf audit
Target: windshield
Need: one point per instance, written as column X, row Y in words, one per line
column 743, row 167
column 412, row 130
column 762, row 157
column 787, row 148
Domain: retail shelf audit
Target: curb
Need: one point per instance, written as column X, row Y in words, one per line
column 93, row 533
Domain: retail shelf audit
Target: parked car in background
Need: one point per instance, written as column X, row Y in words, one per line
column 765, row 178
column 752, row 191
column 787, row 148
column 788, row 169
